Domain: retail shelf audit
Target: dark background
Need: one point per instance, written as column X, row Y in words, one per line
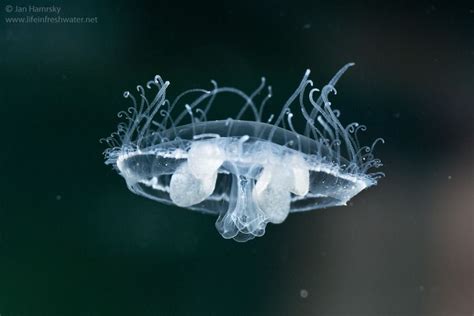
column 75, row 241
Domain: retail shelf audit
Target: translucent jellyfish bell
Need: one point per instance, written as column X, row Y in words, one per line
column 247, row 172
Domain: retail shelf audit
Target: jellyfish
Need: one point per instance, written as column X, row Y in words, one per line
column 250, row 169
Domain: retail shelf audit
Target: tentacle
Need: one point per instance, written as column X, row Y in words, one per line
column 251, row 104
column 288, row 103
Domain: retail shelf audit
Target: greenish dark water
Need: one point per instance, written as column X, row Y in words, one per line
column 75, row 241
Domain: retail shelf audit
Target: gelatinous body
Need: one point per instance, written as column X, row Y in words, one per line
column 247, row 172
